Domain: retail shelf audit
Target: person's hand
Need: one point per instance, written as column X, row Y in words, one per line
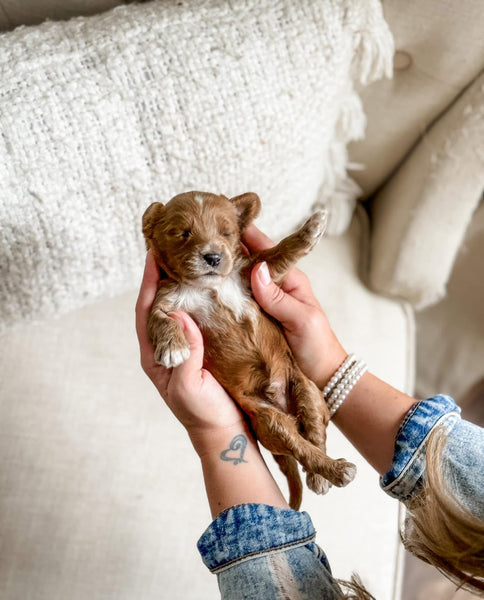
column 210, row 416
column 198, row 401
column 294, row 305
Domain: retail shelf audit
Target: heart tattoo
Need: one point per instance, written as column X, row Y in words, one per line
column 235, row 452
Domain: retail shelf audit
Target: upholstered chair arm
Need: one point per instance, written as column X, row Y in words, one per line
column 420, row 216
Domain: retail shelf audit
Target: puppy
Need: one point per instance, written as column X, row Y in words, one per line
column 195, row 239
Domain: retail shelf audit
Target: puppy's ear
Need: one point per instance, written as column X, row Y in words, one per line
column 150, row 217
column 248, row 208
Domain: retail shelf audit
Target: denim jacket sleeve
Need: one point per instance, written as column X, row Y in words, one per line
column 260, row 551
column 462, row 460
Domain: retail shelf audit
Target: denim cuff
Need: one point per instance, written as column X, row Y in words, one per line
column 249, row 530
column 405, row 478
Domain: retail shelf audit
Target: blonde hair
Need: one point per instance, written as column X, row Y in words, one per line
column 352, row 590
column 440, row 530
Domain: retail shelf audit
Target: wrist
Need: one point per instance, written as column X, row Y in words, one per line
column 334, row 356
column 208, row 441
column 234, row 470
column 343, row 381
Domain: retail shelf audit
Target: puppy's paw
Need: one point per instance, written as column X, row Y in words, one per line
column 344, row 472
column 317, row 483
column 171, row 355
column 350, row 473
column 315, row 226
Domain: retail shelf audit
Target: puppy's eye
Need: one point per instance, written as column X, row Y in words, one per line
column 186, row 234
column 227, row 234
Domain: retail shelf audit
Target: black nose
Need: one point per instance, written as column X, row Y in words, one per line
column 212, row 259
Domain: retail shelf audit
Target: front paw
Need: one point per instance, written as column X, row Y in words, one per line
column 315, row 227
column 170, row 354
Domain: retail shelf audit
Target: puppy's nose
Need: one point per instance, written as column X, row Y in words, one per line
column 212, row 259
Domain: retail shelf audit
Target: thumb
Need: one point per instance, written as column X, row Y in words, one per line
column 194, row 338
column 271, row 297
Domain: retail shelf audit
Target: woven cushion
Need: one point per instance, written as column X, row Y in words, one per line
column 99, row 116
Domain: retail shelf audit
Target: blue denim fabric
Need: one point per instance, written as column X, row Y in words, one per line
column 463, row 466
column 462, row 460
column 261, row 552
column 264, row 552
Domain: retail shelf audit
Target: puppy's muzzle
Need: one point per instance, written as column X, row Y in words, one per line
column 212, row 259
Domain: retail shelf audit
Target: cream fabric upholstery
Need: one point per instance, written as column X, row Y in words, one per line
column 101, row 116
column 425, row 119
column 451, row 334
column 434, row 62
column 439, row 49
column 102, row 496
column 421, row 215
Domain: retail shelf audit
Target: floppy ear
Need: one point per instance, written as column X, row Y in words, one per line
column 248, row 208
column 150, row 217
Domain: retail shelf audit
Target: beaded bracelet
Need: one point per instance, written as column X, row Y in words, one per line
column 342, row 382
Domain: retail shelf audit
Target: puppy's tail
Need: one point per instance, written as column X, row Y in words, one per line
column 288, row 466
column 352, row 590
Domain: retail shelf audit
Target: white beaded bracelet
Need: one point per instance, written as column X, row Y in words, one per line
column 350, row 360
column 342, row 382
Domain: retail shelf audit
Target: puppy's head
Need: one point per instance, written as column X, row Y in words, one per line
column 195, row 237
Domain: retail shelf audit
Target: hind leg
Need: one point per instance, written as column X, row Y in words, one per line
column 280, row 434
column 288, row 466
column 313, row 416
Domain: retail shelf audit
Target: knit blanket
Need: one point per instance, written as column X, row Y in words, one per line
column 102, row 115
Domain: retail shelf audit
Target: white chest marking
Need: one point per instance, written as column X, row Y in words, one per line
column 234, row 296
column 201, row 302
column 192, row 300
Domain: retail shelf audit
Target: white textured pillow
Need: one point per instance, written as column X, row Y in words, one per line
column 99, row 116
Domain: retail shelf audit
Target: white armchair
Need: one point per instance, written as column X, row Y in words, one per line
column 102, row 496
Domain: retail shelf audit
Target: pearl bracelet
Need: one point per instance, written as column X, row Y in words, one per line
column 342, row 382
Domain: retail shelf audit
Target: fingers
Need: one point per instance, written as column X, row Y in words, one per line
column 149, row 283
column 147, row 293
column 146, row 296
column 255, row 240
column 194, row 338
column 274, row 300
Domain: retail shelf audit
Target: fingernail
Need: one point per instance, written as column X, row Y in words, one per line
column 263, row 273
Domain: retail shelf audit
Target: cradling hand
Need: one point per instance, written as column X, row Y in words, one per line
column 294, row 305
column 194, row 396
